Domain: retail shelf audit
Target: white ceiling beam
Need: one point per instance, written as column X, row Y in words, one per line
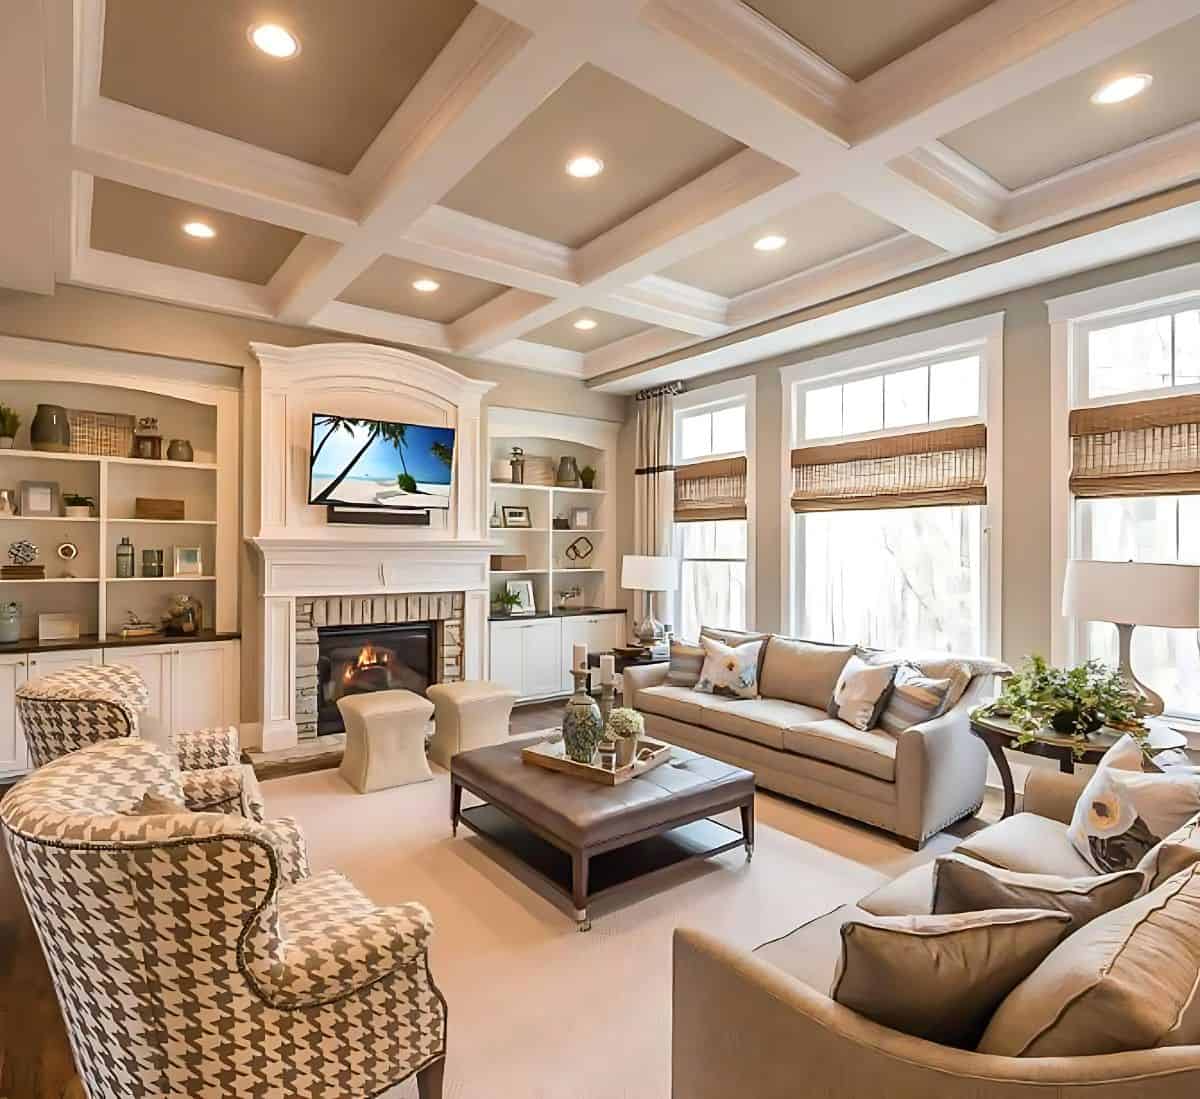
column 504, row 318
column 541, row 357
column 340, row 316
column 632, row 349
column 670, row 304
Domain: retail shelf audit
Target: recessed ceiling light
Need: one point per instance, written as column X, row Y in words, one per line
column 770, row 243
column 585, row 324
column 199, row 229
column 426, row 286
column 585, row 167
column 1124, row 87
column 274, row 41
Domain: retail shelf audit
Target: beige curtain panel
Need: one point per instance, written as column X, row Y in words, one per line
column 1141, row 448
column 711, row 490
column 919, row 469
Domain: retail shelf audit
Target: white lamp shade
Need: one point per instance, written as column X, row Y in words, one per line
column 1134, row 593
column 640, row 573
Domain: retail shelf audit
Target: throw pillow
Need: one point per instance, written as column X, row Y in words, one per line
column 1177, row 852
column 802, row 671
column 1129, row 980
column 861, row 692
column 152, row 804
column 1124, row 812
column 728, row 670
column 941, row 977
column 961, row 884
column 915, row 698
column 686, row 662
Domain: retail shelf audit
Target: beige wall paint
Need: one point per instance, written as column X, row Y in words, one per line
column 1028, row 602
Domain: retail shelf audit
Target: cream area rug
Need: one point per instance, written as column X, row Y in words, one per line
column 537, row 1009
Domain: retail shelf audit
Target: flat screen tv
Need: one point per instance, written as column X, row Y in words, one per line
column 358, row 463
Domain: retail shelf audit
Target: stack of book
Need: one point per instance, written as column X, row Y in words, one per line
column 22, row 572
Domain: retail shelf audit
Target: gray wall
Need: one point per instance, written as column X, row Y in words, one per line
column 1028, row 602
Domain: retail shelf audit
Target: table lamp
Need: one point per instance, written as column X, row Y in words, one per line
column 649, row 574
column 1128, row 594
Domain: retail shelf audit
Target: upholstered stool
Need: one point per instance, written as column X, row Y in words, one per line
column 468, row 715
column 385, row 739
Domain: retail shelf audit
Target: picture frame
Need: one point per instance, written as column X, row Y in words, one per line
column 523, row 589
column 516, row 516
column 581, row 518
column 188, row 561
column 40, row 499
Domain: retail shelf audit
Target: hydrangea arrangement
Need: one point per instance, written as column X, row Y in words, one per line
column 625, row 724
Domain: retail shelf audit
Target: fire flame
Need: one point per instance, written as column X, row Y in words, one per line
column 368, row 657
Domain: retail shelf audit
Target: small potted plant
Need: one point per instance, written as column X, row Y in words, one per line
column 76, row 506
column 1074, row 702
column 505, row 602
column 625, row 727
column 587, row 477
column 10, row 422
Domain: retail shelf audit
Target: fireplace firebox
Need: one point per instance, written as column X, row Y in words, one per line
column 360, row 659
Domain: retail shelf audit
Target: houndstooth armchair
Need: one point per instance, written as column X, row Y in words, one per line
column 61, row 713
column 193, row 954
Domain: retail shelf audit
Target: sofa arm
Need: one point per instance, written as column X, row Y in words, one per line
column 291, row 849
column 202, row 748
column 741, row 1026
column 1052, row 794
column 639, row 677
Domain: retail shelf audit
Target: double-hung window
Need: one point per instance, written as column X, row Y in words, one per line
column 712, row 535
column 891, row 508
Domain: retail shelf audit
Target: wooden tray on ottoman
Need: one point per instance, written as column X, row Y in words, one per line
column 551, row 754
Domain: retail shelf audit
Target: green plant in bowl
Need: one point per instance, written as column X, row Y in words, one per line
column 10, row 424
column 505, row 602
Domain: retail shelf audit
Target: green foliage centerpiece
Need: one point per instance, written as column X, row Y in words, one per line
column 625, row 727
column 1074, row 702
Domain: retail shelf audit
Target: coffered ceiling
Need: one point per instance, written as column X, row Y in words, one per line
column 411, row 142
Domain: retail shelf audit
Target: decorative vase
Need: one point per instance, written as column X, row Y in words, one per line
column 568, row 472
column 50, row 430
column 587, row 477
column 10, row 622
column 582, row 726
column 125, row 559
column 627, row 747
column 517, row 465
column 1076, row 722
column 180, row 450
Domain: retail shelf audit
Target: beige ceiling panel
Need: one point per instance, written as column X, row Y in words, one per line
column 859, row 37
column 1059, row 127
column 649, row 150
column 563, row 333
column 149, row 226
column 191, row 60
column 388, row 284
column 818, row 231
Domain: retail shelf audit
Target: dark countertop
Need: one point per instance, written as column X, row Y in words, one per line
column 91, row 641
column 573, row 612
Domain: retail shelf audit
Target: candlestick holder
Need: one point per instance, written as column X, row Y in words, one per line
column 607, row 695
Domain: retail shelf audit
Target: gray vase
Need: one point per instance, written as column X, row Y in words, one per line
column 582, row 726
column 180, row 450
column 50, row 429
column 568, row 472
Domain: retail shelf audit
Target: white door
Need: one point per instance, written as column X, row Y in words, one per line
column 205, row 688
column 41, row 664
column 155, row 664
column 543, row 657
column 506, row 655
column 13, row 759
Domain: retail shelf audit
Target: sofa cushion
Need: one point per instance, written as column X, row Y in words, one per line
column 762, row 720
column 941, row 977
column 911, row 894
column 962, row 884
column 730, row 671
column 802, row 671
column 1177, row 852
column 681, row 703
column 869, row 752
column 1130, row 980
column 861, row 692
column 1028, row 844
column 810, row 953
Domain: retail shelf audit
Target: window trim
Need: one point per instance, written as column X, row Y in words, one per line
column 709, row 399
column 982, row 335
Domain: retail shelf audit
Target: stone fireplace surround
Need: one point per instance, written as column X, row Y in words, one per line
column 445, row 609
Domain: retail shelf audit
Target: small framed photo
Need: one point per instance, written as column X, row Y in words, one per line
column 39, row 498
column 516, row 515
column 188, row 561
column 523, row 590
column 581, row 518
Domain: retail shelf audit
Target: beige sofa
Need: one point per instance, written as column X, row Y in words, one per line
column 913, row 785
column 777, row 1035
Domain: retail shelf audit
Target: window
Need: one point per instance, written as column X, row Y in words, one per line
column 712, row 479
column 1154, row 352
column 892, row 510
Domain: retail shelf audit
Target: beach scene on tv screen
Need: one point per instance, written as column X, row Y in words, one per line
column 374, row 463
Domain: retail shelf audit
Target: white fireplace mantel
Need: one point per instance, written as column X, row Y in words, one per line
column 300, row 554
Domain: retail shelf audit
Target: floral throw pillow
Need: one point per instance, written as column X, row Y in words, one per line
column 1124, row 812
column 731, row 671
column 861, row 692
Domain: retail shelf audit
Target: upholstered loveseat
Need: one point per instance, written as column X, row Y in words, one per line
column 792, row 1039
column 913, row 784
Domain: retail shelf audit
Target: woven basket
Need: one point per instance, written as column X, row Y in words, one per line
column 539, row 470
column 107, row 434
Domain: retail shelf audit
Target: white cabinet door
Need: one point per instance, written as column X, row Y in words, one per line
column 41, row 664
column 507, row 655
column 543, row 657
column 205, row 687
column 155, row 663
column 13, row 759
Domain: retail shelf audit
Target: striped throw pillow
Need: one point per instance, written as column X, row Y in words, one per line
column 917, row 697
column 686, row 662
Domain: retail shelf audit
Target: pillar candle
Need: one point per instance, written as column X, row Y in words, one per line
column 579, row 656
column 608, row 668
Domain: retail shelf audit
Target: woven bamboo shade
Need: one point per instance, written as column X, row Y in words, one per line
column 918, row 469
column 711, row 490
column 1140, row 448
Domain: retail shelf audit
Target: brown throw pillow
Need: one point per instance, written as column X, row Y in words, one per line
column 686, row 662
column 941, row 977
column 1177, row 852
column 961, row 884
column 152, row 804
